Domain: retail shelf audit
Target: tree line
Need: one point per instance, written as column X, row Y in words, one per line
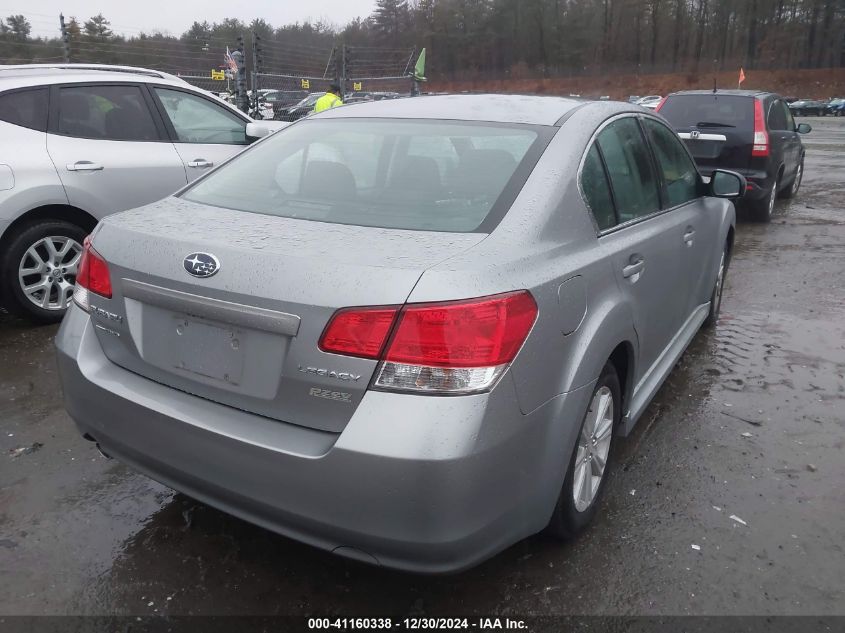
column 484, row 38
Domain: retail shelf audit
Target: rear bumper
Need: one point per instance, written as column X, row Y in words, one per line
column 759, row 183
column 419, row 483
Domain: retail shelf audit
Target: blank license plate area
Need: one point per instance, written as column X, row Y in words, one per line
column 704, row 149
column 208, row 350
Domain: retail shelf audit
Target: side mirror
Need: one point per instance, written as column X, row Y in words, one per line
column 727, row 184
column 255, row 131
column 804, row 128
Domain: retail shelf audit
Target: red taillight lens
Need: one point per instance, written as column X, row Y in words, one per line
column 477, row 333
column 93, row 273
column 454, row 347
column 660, row 105
column 358, row 331
column 761, row 136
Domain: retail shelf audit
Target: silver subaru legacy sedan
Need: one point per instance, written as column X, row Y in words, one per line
column 404, row 331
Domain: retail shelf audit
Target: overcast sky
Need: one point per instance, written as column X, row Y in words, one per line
column 174, row 16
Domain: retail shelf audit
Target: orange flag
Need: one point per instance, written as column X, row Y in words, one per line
column 741, row 76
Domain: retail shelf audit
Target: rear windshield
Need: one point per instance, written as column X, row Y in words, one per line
column 709, row 111
column 419, row 175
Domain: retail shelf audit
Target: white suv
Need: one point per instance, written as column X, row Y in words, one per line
column 78, row 142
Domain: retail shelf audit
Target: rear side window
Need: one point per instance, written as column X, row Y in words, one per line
column 680, row 175
column 27, row 108
column 630, row 169
column 597, row 190
column 709, row 111
column 777, row 117
column 389, row 173
column 114, row 113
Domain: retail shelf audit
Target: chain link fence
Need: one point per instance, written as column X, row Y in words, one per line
column 267, row 77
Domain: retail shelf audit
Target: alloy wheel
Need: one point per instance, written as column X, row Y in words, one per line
column 798, row 175
column 772, row 196
column 47, row 271
column 593, row 449
column 720, row 284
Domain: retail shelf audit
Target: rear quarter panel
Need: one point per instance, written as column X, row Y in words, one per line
column 33, row 181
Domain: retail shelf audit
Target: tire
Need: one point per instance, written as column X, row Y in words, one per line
column 716, row 295
column 792, row 190
column 571, row 517
column 762, row 210
column 50, row 250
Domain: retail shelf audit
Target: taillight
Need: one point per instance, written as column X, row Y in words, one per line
column 358, row 331
column 454, row 347
column 660, row 105
column 92, row 276
column 761, row 136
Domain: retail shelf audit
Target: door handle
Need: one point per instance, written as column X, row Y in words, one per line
column 200, row 163
column 84, row 165
column 634, row 269
column 689, row 235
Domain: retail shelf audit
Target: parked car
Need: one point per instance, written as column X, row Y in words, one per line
column 634, row 98
column 807, row 107
column 747, row 131
column 283, row 99
column 80, row 142
column 836, row 107
column 652, row 101
column 405, row 331
column 301, row 109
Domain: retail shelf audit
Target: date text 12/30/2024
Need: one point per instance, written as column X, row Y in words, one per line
column 414, row 624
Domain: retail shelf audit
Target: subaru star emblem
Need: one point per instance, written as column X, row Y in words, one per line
column 694, row 134
column 201, row 264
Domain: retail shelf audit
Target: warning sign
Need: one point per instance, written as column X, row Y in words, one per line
column 218, row 75
column 306, row 84
column 357, row 86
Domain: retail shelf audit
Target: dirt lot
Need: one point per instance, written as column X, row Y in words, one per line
column 808, row 84
column 728, row 498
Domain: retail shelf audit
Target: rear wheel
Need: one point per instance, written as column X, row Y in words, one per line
column 588, row 466
column 38, row 269
column 716, row 296
column 792, row 190
column 762, row 210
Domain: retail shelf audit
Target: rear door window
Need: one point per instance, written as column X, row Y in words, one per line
column 107, row 112
column 680, row 176
column 630, row 169
column 27, row 108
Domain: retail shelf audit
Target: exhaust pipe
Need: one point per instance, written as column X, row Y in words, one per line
column 100, row 450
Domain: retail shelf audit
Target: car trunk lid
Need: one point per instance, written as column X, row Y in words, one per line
column 247, row 335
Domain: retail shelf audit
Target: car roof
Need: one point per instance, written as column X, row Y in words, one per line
column 719, row 91
column 44, row 74
column 497, row 108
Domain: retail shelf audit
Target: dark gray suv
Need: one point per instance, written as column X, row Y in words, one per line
column 746, row 131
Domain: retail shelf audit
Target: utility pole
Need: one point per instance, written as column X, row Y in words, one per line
column 254, row 79
column 342, row 78
column 241, row 99
column 65, row 38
